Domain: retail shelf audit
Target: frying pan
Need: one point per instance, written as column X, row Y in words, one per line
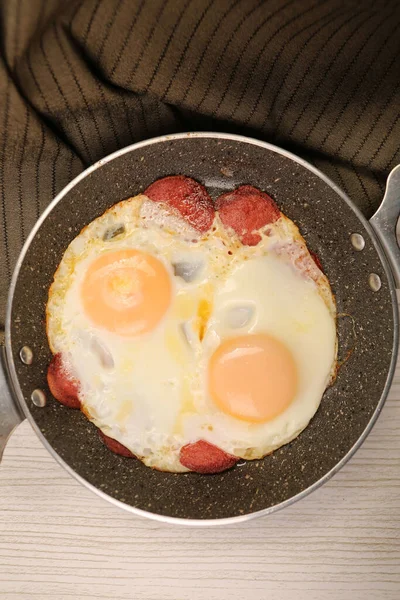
column 355, row 255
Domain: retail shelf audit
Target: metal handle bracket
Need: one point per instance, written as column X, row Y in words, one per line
column 10, row 414
column 386, row 222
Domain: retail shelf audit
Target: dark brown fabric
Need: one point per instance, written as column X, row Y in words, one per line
column 79, row 80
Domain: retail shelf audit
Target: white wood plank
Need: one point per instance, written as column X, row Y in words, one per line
column 58, row 541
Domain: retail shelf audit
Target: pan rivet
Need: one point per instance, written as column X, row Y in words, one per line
column 375, row 282
column 38, row 398
column 358, row 241
column 26, row 355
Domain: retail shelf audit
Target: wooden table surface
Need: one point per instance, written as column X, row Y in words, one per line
column 58, row 541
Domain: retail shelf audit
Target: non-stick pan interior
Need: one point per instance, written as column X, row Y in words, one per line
column 326, row 221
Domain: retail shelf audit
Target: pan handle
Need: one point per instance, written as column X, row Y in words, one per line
column 386, row 222
column 10, row 414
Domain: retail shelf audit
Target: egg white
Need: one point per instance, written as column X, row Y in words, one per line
column 285, row 305
column 150, row 393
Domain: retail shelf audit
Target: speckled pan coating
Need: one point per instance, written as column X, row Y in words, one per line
column 326, row 222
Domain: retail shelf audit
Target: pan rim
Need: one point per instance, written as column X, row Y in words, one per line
column 181, row 520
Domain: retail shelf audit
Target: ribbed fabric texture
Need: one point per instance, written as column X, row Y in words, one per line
column 79, row 80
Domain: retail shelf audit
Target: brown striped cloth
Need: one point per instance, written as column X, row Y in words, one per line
column 80, row 79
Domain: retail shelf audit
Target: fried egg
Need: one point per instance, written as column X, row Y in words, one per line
column 177, row 336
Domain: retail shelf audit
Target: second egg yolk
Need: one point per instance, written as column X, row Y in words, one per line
column 252, row 377
column 126, row 292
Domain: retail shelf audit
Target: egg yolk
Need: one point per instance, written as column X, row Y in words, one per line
column 127, row 292
column 252, row 377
